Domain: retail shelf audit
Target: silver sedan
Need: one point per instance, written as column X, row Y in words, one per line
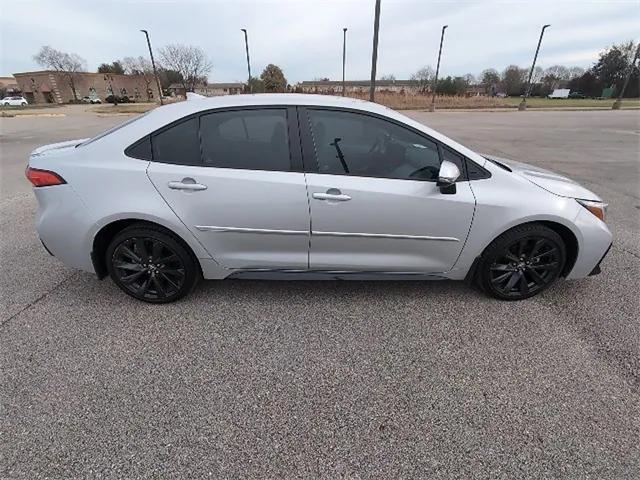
column 306, row 187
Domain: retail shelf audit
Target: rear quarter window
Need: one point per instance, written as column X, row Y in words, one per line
column 179, row 144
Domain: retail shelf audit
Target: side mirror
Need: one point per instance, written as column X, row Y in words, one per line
column 447, row 176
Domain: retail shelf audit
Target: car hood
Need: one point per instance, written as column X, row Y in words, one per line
column 55, row 147
column 550, row 181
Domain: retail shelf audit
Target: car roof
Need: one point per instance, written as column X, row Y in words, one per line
column 197, row 104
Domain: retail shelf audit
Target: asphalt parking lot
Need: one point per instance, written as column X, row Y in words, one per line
column 261, row 379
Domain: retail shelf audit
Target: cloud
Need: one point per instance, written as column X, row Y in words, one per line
column 305, row 37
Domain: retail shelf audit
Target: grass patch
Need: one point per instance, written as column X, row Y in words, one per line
column 124, row 108
column 572, row 102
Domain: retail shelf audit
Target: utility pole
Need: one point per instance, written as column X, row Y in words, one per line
column 344, row 55
column 153, row 64
column 618, row 103
column 246, row 46
column 374, row 57
column 523, row 103
column 435, row 83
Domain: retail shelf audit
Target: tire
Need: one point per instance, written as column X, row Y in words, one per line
column 129, row 260
column 521, row 262
column 6, row 104
column 23, row 104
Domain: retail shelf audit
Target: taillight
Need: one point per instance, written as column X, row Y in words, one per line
column 43, row 178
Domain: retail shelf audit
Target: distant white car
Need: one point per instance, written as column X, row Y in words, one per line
column 560, row 93
column 14, row 101
column 91, row 99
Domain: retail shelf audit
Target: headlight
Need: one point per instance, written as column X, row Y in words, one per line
column 599, row 209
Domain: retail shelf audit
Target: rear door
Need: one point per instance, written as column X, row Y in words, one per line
column 234, row 178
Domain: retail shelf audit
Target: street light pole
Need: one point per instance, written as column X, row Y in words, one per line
column 246, row 46
column 374, row 57
column 523, row 104
column 616, row 105
column 344, row 55
column 153, row 64
column 435, row 83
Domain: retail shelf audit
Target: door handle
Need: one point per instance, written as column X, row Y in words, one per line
column 333, row 194
column 188, row 184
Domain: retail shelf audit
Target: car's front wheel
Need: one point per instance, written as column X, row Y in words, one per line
column 151, row 264
column 522, row 262
column 23, row 104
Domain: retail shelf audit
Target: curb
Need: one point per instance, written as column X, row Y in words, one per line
column 34, row 115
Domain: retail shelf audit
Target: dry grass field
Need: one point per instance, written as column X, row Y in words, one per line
column 419, row 102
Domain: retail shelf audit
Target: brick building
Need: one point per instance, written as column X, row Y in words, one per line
column 208, row 90
column 55, row 87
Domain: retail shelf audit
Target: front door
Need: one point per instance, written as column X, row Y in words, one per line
column 374, row 201
column 229, row 176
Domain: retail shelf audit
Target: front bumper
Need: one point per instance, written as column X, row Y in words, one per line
column 596, row 270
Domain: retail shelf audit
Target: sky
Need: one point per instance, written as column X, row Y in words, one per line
column 304, row 37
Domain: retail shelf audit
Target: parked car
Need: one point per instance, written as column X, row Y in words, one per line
column 577, row 95
column 306, row 186
column 14, row 101
column 91, row 99
column 117, row 99
column 559, row 93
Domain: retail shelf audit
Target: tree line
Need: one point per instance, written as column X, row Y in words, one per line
column 189, row 66
column 609, row 71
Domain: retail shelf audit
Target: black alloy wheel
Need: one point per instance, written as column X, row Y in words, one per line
column 151, row 265
column 522, row 262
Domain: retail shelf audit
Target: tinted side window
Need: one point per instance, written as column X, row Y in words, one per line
column 141, row 149
column 246, row 139
column 355, row 144
column 178, row 144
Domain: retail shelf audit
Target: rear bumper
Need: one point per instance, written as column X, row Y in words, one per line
column 62, row 223
column 596, row 270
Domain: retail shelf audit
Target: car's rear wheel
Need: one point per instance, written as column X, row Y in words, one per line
column 23, row 104
column 522, row 262
column 151, row 265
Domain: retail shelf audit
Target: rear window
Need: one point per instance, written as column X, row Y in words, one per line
column 112, row 129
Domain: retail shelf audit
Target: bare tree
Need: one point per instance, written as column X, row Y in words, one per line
column 424, row 77
column 140, row 66
column 538, row 74
column 190, row 61
column 575, row 72
column 558, row 71
column 389, row 77
column 469, row 78
column 67, row 65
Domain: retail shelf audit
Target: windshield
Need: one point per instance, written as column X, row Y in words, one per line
column 112, row 129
